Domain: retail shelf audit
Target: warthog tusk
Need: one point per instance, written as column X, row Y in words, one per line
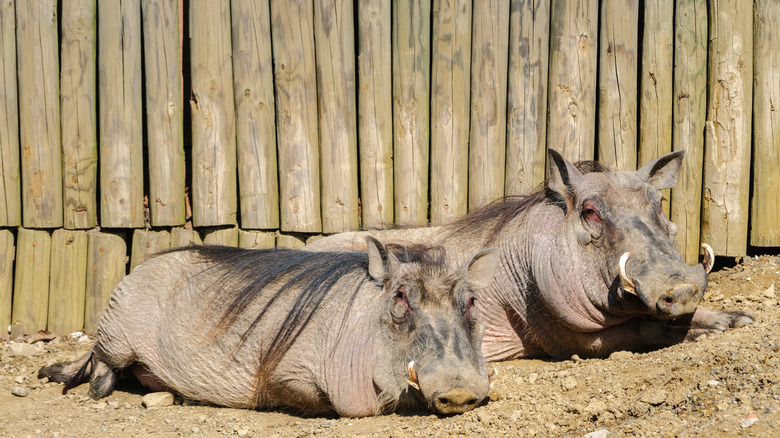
column 412, row 376
column 625, row 281
column 492, row 377
column 709, row 258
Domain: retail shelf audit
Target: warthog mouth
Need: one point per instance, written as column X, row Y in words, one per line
column 454, row 401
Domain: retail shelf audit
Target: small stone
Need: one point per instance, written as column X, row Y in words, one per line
column 19, row 379
column 712, row 383
column 242, row 432
column 100, row 405
column 601, row 433
column 328, row 423
column 621, row 355
column 569, row 383
column 157, row 400
column 748, row 421
column 595, row 408
column 24, row 350
column 769, row 293
column 19, row 391
column 532, row 377
column 112, row 403
column 576, row 359
column 654, row 397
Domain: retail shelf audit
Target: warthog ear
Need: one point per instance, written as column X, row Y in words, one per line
column 563, row 174
column 381, row 262
column 662, row 172
column 482, row 268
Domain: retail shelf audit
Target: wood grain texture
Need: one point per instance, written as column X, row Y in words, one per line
column 255, row 130
column 765, row 204
column 487, row 142
column 184, row 237
column 164, row 112
column 31, row 281
column 214, row 187
column 146, row 244
column 290, row 241
column 727, row 133
column 39, row 113
column 68, row 281
column 120, row 118
column 7, row 251
column 375, row 113
column 334, row 25
column 450, row 103
column 526, row 130
column 106, row 267
column 656, row 84
column 78, row 92
column 227, row 236
column 10, row 185
column 689, row 112
column 292, row 28
column 253, row 239
column 572, row 78
column 618, row 66
column 411, row 105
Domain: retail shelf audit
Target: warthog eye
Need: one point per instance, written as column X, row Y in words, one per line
column 591, row 214
column 401, row 307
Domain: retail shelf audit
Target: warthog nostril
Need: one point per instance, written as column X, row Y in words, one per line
column 455, row 401
column 682, row 299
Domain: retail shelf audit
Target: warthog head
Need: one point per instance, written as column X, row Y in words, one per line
column 431, row 322
column 615, row 221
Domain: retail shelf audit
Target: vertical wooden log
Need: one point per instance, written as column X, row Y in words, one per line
column 572, row 83
column 689, row 109
column 290, row 241
column 529, row 45
column 335, row 52
column 79, row 113
column 164, row 123
column 106, row 267
column 68, row 281
column 121, row 105
column 656, row 85
column 618, row 65
column 450, row 103
column 31, row 281
column 214, row 189
column 184, row 237
column 255, row 130
column 252, row 239
column 487, row 145
column 6, row 277
column 375, row 113
column 292, row 28
column 10, row 189
column 727, row 133
column 765, row 222
column 146, row 244
column 39, row 113
column 411, row 104
column 221, row 236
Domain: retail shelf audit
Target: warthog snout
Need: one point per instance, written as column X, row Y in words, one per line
column 455, row 401
column 680, row 300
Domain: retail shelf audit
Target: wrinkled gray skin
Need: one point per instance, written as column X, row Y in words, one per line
column 351, row 358
column 558, row 290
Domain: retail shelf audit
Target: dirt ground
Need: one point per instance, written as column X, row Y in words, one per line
column 726, row 384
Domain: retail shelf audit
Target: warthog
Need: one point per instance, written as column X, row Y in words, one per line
column 588, row 264
column 355, row 333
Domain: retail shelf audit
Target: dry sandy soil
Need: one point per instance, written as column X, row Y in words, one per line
column 727, row 384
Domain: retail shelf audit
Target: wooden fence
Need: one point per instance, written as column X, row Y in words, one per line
column 309, row 117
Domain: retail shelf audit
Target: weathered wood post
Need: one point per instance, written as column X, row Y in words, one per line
column 375, row 113
column 727, row 133
column 617, row 89
column 164, row 112
column 252, row 239
column 121, row 107
column 487, row 142
column 227, row 236
column 7, row 252
column 255, row 130
column 146, row 244
column 335, row 52
column 526, row 125
column 68, row 281
column 79, row 113
column 450, row 109
column 39, row 113
column 765, row 205
column 10, row 189
column 292, row 28
column 656, row 85
column 572, row 81
column 184, row 237
column 106, row 267
column 411, row 104
column 214, row 189
column 31, row 281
